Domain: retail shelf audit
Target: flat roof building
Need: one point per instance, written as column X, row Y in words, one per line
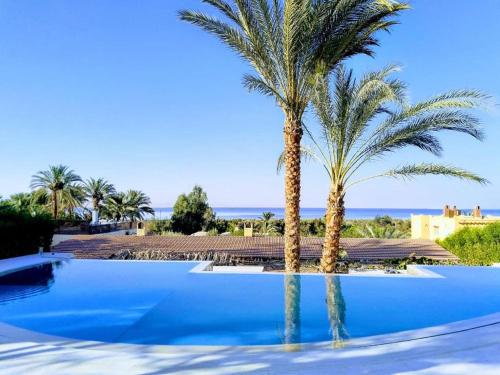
column 437, row 227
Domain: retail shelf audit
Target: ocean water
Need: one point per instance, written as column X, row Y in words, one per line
column 316, row 213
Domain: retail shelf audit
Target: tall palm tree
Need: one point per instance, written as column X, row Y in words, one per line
column 366, row 120
column 58, row 182
column 98, row 190
column 288, row 43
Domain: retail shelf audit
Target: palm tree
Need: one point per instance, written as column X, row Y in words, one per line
column 21, row 201
column 288, row 43
column 59, row 183
column 98, row 190
column 115, row 207
column 131, row 206
column 138, row 204
column 368, row 231
column 267, row 227
column 364, row 121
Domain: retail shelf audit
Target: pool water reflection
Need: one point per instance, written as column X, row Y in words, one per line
column 163, row 303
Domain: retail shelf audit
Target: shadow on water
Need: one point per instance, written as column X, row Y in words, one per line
column 27, row 283
column 335, row 306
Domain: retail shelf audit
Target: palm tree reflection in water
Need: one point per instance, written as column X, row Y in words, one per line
column 292, row 312
column 336, row 309
column 336, row 312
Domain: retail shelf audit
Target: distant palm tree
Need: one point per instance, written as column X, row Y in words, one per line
column 266, row 226
column 29, row 202
column 288, row 43
column 59, row 183
column 97, row 191
column 115, row 207
column 138, row 204
column 129, row 206
column 363, row 121
column 368, row 231
column 21, row 201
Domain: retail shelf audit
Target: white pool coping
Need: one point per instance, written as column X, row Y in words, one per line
column 456, row 348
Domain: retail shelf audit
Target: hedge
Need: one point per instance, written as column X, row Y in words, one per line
column 475, row 246
column 22, row 233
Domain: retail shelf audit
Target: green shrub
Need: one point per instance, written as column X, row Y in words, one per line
column 158, row 226
column 475, row 246
column 192, row 212
column 22, row 233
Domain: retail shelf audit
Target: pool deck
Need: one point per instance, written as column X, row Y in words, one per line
column 466, row 347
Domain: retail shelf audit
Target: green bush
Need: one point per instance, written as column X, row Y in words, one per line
column 475, row 246
column 158, row 226
column 22, row 233
column 192, row 212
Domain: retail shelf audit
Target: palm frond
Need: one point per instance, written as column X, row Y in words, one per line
column 413, row 170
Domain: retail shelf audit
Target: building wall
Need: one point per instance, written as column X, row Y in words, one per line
column 439, row 227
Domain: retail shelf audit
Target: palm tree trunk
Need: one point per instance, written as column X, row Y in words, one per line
column 335, row 218
column 292, row 313
column 54, row 204
column 292, row 135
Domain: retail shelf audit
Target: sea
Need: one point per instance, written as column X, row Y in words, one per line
column 316, row 213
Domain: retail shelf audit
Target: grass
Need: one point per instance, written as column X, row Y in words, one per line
column 475, row 246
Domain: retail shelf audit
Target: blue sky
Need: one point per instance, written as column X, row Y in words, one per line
column 124, row 90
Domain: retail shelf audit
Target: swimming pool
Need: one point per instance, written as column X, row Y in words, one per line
column 145, row 302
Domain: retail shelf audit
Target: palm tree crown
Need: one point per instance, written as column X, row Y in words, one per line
column 288, row 43
column 97, row 190
column 131, row 205
column 60, row 183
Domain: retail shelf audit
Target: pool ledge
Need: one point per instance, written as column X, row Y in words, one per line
column 452, row 348
column 206, row 267
column 20, row 263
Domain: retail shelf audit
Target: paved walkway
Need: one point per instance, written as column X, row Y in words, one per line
column 474, row 351
column 255, row 247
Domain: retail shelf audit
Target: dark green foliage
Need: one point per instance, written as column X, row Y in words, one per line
column 220, row 225
column 312, row 227
column 402, row 263
column 158, row 226
column 475, row 246
column 22, row 232
column 192, row 212
column 379, row 227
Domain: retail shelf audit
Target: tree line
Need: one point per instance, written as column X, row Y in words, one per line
column 66, row 196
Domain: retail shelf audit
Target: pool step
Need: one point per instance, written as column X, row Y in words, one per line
column 238, row 269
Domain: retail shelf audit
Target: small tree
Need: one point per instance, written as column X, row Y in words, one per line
column 192, row 212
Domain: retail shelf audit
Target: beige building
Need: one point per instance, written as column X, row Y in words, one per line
column 437, row 227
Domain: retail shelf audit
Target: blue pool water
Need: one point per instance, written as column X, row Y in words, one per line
column 162, row 303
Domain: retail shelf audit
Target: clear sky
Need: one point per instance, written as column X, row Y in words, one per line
column 122, row 89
